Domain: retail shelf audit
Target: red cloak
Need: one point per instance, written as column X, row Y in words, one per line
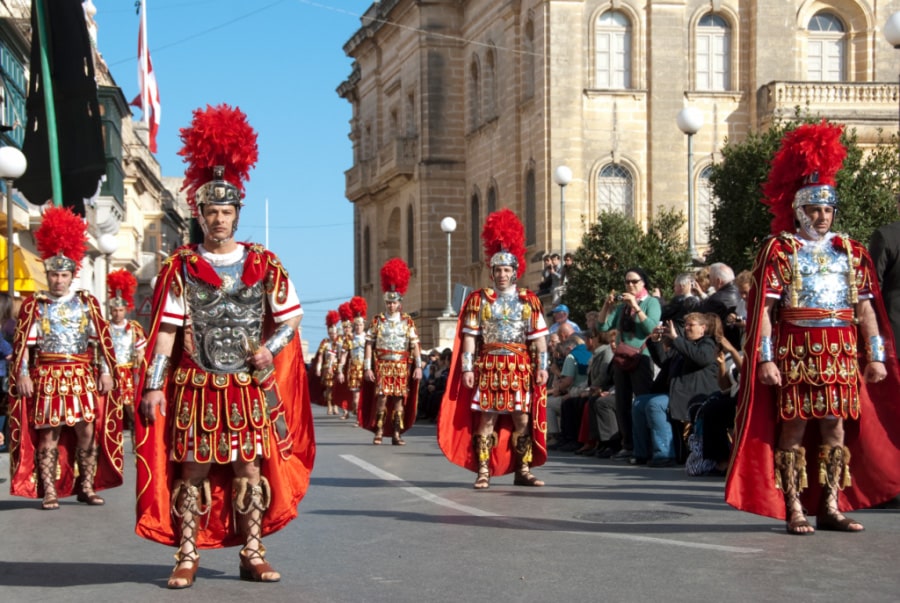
column 24, row 438
column 457, row 421
column 873, row 440
column 288, row 477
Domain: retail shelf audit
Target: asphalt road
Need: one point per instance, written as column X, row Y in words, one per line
column 385, row 523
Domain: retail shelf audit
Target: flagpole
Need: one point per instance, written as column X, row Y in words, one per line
column 267, row 222
column 50, row 108
column 144, row 59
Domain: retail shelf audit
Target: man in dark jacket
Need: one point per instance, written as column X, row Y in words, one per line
column 724, row 301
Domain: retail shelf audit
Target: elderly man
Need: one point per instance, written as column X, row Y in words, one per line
column 561, row 317
column 724, row 301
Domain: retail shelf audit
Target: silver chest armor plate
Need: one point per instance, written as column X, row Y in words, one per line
column 69, row 325
column 227, row 322
column 123, row 343
column 506, row 323
column 392, row 335
column 358, row 347
column 824, row 283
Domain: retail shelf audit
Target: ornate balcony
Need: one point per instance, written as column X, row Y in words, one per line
column 397, row 159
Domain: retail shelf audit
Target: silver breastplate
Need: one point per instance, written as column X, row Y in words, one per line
column 392, row 335
column 227, row 322
column 504, row 322
column 64, row 327
column 123, row 343
column 823, row 281
column 358, row 347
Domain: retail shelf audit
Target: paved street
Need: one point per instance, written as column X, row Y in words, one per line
column 402, row 524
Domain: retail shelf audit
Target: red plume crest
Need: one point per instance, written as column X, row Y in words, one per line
column 395, row 276
column 358, row 306
column 504, row 232
column 345, row 312
column 122, row 283
column 809, row 149
column 332, row 318
column 61, row 232
column 218, row 135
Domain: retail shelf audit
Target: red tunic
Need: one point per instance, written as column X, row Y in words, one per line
column 873, row 440
column 286, row 470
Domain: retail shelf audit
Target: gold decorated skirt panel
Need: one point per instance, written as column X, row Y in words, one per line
column 503, row 380
column 392, row 377
column 355, row 376
column 218, row 417
column 819, row 372
column 124, row 385
column 327, row 378
column 64, row 390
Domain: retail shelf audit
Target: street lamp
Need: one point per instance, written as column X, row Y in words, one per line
column 12, row 166
column 448, row 225
column 562, row 176
column 690, row 120
column 107, row 243
column 892, row 33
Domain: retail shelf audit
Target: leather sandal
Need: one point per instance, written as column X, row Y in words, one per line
column 185, row 571
column 256, row 572
column 831, row 523
column 527, row 479
column 92, row 499
column 483, row 481
column 798, row 526
column 50, row 503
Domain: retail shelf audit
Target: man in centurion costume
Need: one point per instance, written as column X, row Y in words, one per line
column 327, row 359
column 392, row 347
column 493, row 415
column 226, row 443
column 813, row 303
column 128, row 340
column 61, row 367
column 353, row 354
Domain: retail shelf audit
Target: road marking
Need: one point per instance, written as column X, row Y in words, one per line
column 525, row 524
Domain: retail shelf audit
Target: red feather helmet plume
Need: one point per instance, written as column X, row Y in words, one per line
column 504, row 240
column 394, row 279
column 332, row 318
column 121, row 285
column 61, row 240
column 359, row 307
column 803, row 173
column 345, row 312
column 220, row 150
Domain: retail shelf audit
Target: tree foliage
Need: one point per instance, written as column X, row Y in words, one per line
column 866, row 187
column 616, row 243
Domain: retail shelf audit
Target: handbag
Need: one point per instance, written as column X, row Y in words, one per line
column 627, row 357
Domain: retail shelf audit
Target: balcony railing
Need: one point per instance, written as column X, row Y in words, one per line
column 397, row 158
column 842, row 101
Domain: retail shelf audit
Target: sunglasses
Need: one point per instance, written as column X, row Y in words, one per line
column 632, row 281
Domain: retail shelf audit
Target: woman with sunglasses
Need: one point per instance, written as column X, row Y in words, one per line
column 634, row 313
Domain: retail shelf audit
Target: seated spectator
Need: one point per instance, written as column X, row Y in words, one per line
column 682, row 302
column 688, row 373
column 561, row 317
column 701, row 287
column 724, row 301
column 572, row 378
column 599, row 430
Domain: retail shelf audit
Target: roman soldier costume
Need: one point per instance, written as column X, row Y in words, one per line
column 817, row 280
column 504, row 325
column 62, row 343
column 128, row 339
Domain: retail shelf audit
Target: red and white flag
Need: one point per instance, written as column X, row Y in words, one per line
column 148, row 98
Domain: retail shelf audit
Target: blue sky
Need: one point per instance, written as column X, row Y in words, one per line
column 280, row 62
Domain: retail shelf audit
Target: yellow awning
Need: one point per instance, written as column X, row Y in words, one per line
column 28, row 270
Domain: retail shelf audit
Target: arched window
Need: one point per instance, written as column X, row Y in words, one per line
column 825, row 51
column 490, row 85
column 474, row 94
column 612, row 40
column 491, row 199
column 367, row 255
column 475, row 230
column 410, row 238
column 528, row 61
column 615, row 190
column 706, row 203
column 713, row 53
column 530, row 207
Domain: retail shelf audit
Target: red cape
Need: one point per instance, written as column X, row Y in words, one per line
column 457, row 421
column 289, row 478
column 24, row 438
column 874, row 440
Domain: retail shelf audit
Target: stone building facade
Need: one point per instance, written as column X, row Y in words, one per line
column 461, row 107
